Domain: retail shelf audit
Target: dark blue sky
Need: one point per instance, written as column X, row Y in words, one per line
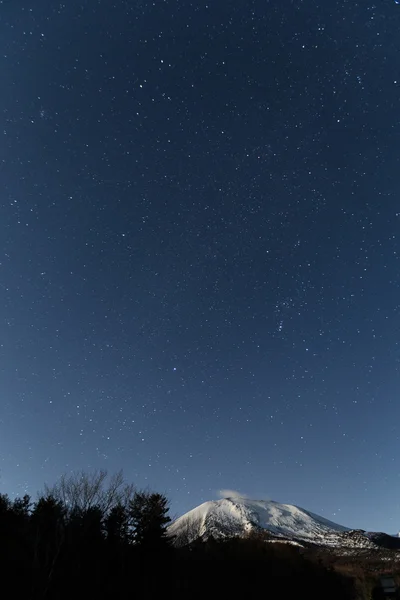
column 199, row 269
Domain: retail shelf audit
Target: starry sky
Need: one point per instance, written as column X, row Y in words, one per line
column 199, row 257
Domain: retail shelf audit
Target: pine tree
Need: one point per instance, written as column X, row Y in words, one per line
column 149, row 520
column 48, row 536
column 116, row 525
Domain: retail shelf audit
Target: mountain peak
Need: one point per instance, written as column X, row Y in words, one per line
column 239, row 515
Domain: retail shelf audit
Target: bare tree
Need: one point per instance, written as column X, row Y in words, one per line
column 84, row 490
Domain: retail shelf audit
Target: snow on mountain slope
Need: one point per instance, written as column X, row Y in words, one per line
column 238, row 516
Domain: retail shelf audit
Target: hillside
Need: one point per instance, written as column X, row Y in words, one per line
column 237, row 517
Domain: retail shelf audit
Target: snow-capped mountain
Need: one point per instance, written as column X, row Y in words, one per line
column 239, row 516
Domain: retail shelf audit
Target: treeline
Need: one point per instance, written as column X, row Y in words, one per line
column 91, row 536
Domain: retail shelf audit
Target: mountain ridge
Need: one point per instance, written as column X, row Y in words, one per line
column 240, row 516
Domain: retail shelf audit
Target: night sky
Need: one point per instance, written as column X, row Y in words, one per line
column 199, row 233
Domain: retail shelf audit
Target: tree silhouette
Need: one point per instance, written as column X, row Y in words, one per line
column 149, row 520
column 48, row 521
column 82, row 490
column 116, row 525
